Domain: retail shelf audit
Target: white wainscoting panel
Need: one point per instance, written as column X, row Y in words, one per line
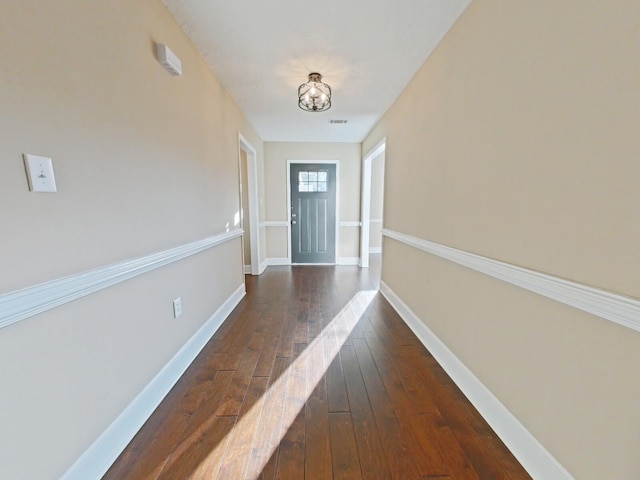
column 97, row 459
column 540, row 464
column 608, row 305
column 347, row 260
column 275, row 261
column 274, row 223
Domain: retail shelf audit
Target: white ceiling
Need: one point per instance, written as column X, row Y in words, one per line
column 366, row 50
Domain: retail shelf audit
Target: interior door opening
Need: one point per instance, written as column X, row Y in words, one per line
column 372, row 204
column 248, row 173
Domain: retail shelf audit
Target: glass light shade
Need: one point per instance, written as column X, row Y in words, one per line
column 314, row 96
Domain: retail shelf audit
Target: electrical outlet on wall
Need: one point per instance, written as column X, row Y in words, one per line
column 177, row 307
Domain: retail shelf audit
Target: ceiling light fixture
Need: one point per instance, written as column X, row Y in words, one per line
column 314, row 96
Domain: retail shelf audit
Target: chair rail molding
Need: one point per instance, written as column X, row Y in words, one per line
column 22, row 304
column 611, row 306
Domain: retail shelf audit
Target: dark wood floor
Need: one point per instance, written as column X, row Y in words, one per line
column 314, row 376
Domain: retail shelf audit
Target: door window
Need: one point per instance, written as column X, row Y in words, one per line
column 312, row 181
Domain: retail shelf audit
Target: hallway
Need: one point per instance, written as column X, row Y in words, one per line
column 314, row 376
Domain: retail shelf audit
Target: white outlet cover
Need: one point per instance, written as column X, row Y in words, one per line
column 40, row 173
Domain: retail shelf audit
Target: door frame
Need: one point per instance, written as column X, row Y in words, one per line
column 252, row 185
column 337, row 164
column 365, row 203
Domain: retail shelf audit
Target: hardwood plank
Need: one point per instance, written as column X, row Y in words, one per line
column 264, row 455
column 372, row 459
column 434, row 428
column 473, row 446
column 287, row 339
column 499, row 451
column 240, row 444
column 292, row 451
column 317, row 437
column 426, row 455
column 232, row 402
column 204, row 460
column 344, row 453
column 336, row 388
column 188, row 452
column 268, row 354
column 394, row 440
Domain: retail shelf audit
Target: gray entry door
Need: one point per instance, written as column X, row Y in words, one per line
column 313, row 213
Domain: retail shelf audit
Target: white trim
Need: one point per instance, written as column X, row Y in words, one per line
column 97, row 459
column 365, row 202
column 337, row 164
column 252, row 184
column 30, row 301
column 375, row 249
column 530, row 453
column 375, row 220
column 348, row 261
column 263, row 266
column 313, row 264
column 351, row 224
column 247, row 270
column 276, row 261
column 274, row 223
column 611, row 306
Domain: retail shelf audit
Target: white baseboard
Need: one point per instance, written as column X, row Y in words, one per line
column 97, row 459
column 375, row 249
column 247, row 269
column 530, row 453
column 348, row 261
column 263, row 266
column 279, row 261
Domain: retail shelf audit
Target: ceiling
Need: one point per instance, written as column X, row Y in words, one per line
column 366, row 50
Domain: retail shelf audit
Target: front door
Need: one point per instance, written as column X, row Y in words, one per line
column 313, row 213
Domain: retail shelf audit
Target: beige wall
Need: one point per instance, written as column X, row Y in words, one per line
column 276, row 155
column 518, row 140
column 144, row 161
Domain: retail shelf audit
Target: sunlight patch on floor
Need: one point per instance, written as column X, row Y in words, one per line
column 285, row 398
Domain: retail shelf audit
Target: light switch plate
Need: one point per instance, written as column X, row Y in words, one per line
column 177, row 307
column 40, row 173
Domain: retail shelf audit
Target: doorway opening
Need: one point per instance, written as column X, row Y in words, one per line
column 312, row 197
column 248, row 169
column 372, row 204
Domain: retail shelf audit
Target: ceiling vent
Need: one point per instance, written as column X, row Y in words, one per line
column 338, row 121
